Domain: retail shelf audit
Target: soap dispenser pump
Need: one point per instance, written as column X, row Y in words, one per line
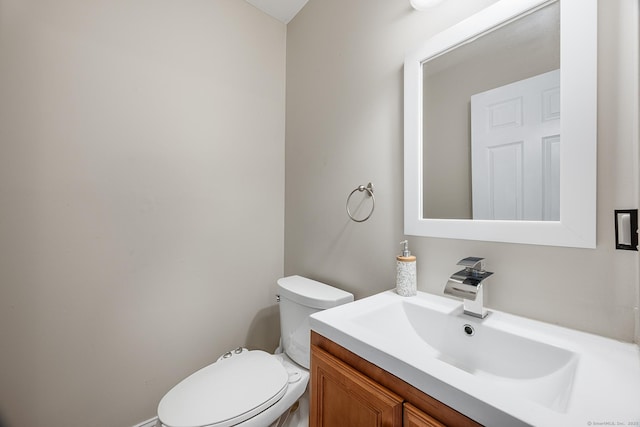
column 406, row 272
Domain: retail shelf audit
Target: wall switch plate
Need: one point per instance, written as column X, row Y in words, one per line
column 626, row 229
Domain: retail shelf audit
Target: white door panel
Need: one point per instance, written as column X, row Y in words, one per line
column 515, row 138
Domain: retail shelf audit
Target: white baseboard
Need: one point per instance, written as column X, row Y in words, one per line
column 149, row 423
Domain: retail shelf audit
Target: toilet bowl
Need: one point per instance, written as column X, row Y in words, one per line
column 252, row 388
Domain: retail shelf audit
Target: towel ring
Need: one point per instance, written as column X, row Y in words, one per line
column 369, row 190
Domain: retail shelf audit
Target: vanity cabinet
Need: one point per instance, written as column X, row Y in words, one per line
column 414, row 417
column 348, row 391
column 345, row 397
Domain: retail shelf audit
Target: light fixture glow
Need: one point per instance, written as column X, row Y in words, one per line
column 424, row 4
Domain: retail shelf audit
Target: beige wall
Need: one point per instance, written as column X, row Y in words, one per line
column 142, row 194
column 344, row 128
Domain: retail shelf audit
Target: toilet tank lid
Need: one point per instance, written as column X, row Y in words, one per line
column 311, row 293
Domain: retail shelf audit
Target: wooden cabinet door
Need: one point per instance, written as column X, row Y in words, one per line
column 414, row 417
column 343, row 397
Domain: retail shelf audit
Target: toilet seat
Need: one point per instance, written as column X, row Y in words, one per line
column 226, row 392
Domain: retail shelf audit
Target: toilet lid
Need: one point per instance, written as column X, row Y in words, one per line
column 225, row 393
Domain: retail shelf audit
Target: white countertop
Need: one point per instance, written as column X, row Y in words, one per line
column 605, row 386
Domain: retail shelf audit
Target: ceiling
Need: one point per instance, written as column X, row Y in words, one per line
column 282, row 10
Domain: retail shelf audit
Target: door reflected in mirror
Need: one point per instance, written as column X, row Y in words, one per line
column 491, row 124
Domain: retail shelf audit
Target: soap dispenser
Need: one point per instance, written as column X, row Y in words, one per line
column 406, row 272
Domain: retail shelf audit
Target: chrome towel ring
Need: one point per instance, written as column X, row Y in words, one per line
column 369, row 190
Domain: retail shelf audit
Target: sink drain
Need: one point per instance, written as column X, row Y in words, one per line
column 468, row 329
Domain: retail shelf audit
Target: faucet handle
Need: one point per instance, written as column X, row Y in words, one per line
column 472, row 263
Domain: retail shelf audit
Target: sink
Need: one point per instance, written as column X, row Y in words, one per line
column 535, row 370
column 503, row 370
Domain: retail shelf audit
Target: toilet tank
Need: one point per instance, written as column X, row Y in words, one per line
column 299, row 298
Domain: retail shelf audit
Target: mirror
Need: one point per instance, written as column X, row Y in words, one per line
column 483, row 129
column 500, row 126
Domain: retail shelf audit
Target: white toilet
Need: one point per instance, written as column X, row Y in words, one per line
column 252, row 388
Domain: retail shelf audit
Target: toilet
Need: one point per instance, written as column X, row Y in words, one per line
column 252, row 388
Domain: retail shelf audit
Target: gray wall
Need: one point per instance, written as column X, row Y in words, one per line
column 344, row 128
column 142, row 188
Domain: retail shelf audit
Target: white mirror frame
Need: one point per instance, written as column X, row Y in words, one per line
column 578, row 152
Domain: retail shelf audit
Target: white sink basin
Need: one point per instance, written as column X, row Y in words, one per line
column 511, row 371
column 533, row 369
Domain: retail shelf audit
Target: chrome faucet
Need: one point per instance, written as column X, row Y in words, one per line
column 467, row 284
